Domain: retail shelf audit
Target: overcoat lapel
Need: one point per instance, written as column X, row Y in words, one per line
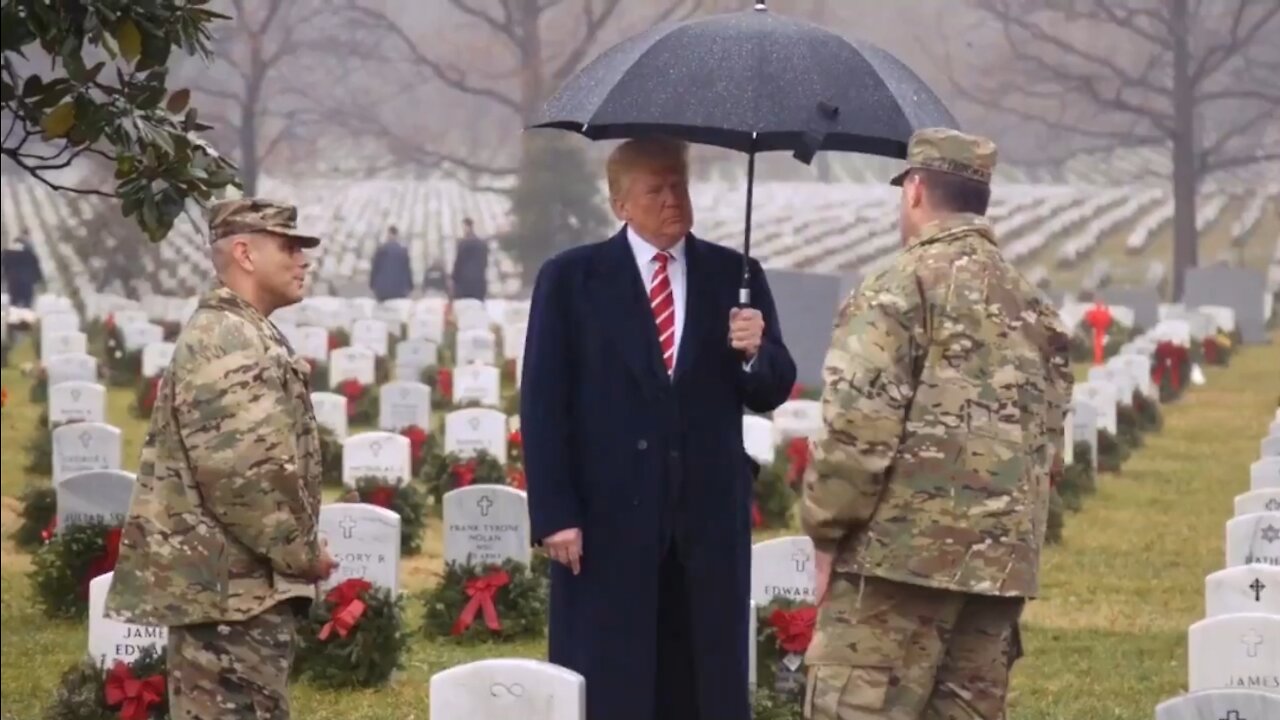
column 624, row 305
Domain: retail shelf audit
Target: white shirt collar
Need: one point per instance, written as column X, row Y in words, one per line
column 645, row 252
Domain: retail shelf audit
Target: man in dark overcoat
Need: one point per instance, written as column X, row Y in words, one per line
column 638, row 364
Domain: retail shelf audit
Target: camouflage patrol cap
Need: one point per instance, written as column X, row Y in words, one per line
column 950, row 151
column 248, row 215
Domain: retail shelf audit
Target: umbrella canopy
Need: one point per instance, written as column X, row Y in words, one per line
column 751, row 81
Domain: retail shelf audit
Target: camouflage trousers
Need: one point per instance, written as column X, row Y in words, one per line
column 884, row 650
column 233, row 670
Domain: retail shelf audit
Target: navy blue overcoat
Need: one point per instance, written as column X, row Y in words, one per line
column 604, row 425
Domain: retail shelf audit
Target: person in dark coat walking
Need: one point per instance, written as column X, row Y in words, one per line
column 391, row 274
column 22, row 272
column 638, row 364
column 470, row 264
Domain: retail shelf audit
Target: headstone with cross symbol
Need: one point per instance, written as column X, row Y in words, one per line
column 382, row 455
column 1258, row 501
column 1243, row 589
column 477, row 384
column 95, row 496
column 77, row 402
column 509, row 689
column 486, row 524
column 1238, row 652
column 471, row 430
column 404, row 404
column 80, row 447
column 365, row 540
column 70, row 367
column 1221, row 705
column 782, row 567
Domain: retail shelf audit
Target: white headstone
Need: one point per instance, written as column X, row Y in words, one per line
column 1254, row 539
column 414, row 356
column 1243, row 589
column 352, row 363
column 63, row 343
column 156, row 357
column 1258, row 501
column 1270, row 447
column 81, row 447
column 1084, row 427
column 94, row 496
column 1224, row 318
column 427, row 326
column 376, row 454
column 138, row 335
column 58, row 322
column 122, row 318
column 477, row 383
column 71, row 367
column 365, row 540
column 469, row 430
column 1220, row 705
column 1122, row 381
column 475, row 347
column 309, row 341
column 1177, row 331
column 513, row 340
column 469, row 314
column 1238, row 652
column 370, row 333
column 782, row 567
column 486, row 524
column 1264, row 473
column 111, row 640
column 402, row 404
column 77, row 402
column 757, row 438
column 392, row 319
column 1103, row 397
column 1138, row 369
column 508, row 689
column 798, row 418
column 331, row 412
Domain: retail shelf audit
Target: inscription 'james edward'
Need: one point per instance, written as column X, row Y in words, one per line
column 1263, row 682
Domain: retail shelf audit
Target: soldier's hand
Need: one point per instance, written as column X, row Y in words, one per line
column 565, row 547
column 324, row 566
column 822, row 572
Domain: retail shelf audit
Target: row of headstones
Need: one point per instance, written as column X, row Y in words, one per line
column 388, row 455
column 1200, row 321
column 1234, row 652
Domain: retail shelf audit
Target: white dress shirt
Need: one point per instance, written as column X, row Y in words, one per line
column 677, row 272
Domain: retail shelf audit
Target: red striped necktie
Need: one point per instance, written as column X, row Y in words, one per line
column 663, row 303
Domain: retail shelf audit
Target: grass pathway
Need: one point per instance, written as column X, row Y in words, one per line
column 1107, row 641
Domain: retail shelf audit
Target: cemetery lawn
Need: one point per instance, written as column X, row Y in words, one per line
column 1107, row 641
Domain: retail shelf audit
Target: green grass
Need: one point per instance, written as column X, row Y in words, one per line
column 1106, row 641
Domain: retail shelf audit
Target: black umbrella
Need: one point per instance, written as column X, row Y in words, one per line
column 750, row 81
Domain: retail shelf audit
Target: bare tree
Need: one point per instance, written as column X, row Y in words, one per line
column 256, row 111
column 525, row 49
column 1140, row 72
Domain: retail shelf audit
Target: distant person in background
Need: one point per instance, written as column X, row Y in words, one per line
column 435, row 278
column 470, row 264
column 22, row 272
column 391, row 275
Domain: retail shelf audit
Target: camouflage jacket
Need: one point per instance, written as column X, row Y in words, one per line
column 945, row 392
column 223, row 520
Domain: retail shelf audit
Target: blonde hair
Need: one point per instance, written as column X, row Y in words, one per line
column 647, row 152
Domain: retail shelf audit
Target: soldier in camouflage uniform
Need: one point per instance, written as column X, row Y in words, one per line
column 221, row 541
column 946, row 388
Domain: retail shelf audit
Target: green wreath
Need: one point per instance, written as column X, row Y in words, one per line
column 40, row 448
column 450, row 471
column 1077, row 478
column 123, row 366
column 1149, row 416
column 781, row 623
column 145, row 393
column 330, row 458
column 362, row 402
column 360, row 653
column 409, row 501
column 1053, row 529
column 772, row 497
column 1128, row 426
column 62, row 568
column 520, row 604
column 1112, row 452
column 83, row 691
column 1081, row 343
column 39, row 511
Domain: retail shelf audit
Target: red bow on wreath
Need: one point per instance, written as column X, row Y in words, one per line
column 134, row 695
column 444, row 378
column 516, row 478
column 1169, row 357
column 481, row 591
column 347, row 607
column 464, row 473
column 794, row 628
column 1210, row 346
column 104, row 563
column 352, row 390
column 382, row 496
column 798, row 455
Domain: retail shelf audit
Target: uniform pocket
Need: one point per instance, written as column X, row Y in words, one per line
column 835, row 689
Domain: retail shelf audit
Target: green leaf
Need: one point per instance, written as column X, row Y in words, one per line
column 179, row 101
column 32, row 87
column 7, row 93
column 59, row 121
column 129, row 39
column 94, row 72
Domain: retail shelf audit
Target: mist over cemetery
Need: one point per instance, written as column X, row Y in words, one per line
column 1161, row 592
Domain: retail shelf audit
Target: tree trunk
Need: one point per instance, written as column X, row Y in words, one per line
column 1186, row 238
